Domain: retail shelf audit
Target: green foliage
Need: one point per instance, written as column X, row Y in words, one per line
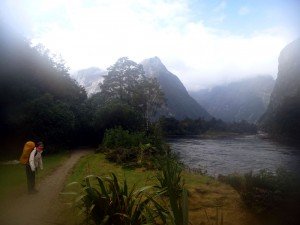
column 216, row 125
column 242, row 127
column 169, row 175
column 126, row 82
column 170, row 183
column 115, row 114
column 156, row 137
column 266, row 192
column 108, row 202
column 104, row 201
column 127, row 99
column 152, row 98
column 122, row 81
column 38, row 98
column 118, row 137
column 84, row 128
column 171, row 126
column 51, row 120
column 235, row 180
column 130, row 149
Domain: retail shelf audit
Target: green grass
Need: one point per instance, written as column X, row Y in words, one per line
column 202, row 190
column 96, row 164
column 13, row 177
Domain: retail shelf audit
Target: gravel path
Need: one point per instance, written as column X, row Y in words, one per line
column 43, row 208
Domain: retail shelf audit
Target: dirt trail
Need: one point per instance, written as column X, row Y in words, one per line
column 44, row 207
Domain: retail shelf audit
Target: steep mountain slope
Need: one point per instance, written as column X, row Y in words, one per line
column 283, row 114
column 90, row 78
column 179, row 103
column 243, row 100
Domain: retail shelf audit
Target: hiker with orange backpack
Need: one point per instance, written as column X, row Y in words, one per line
column 32, row 159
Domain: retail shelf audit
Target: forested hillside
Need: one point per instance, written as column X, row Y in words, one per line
column 38, row 98
column 40, row 101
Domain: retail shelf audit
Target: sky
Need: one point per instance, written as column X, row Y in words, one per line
column 203, row 42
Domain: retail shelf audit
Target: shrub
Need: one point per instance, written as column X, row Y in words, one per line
column 131, row 149
column 117, row 137
column 235, row 180
column 108, row 202
column 122, row 155
column 265, row 192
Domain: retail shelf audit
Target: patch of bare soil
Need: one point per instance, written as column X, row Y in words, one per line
column 43, row 208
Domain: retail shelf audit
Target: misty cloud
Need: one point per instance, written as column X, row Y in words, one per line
column 97, row 33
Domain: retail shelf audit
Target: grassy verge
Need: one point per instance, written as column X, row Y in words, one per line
column 274, row 196
column 97, row 164
column 13, row 177
column 208, row 198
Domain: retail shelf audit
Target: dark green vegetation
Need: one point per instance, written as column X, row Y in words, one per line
column 273, row 196
column 39, row 100
column 171, row 126
column 208, row 200
column 282, row 117
column 105, row 201
column 108, row 202
column 127, row 98
column 171, row 184
column 132, row 148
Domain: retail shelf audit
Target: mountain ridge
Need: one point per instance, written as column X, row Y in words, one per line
column 179, row 103
column 282, row 117
column 246, row 99
column 90, row 78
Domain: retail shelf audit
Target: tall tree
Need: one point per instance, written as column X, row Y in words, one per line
column 127, row 83
column 122, row 81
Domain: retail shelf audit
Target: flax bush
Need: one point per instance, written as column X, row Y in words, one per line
column 104, row 201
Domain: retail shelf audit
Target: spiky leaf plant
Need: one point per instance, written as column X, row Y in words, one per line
column 105, row 202
column 170, row 183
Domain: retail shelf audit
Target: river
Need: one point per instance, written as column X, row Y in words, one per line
column 236, row 154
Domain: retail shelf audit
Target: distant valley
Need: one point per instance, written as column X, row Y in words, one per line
column 246, row 99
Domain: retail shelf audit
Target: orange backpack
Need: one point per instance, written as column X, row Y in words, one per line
column 28, row 148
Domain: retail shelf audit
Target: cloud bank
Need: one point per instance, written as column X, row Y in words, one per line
column 97, row 33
